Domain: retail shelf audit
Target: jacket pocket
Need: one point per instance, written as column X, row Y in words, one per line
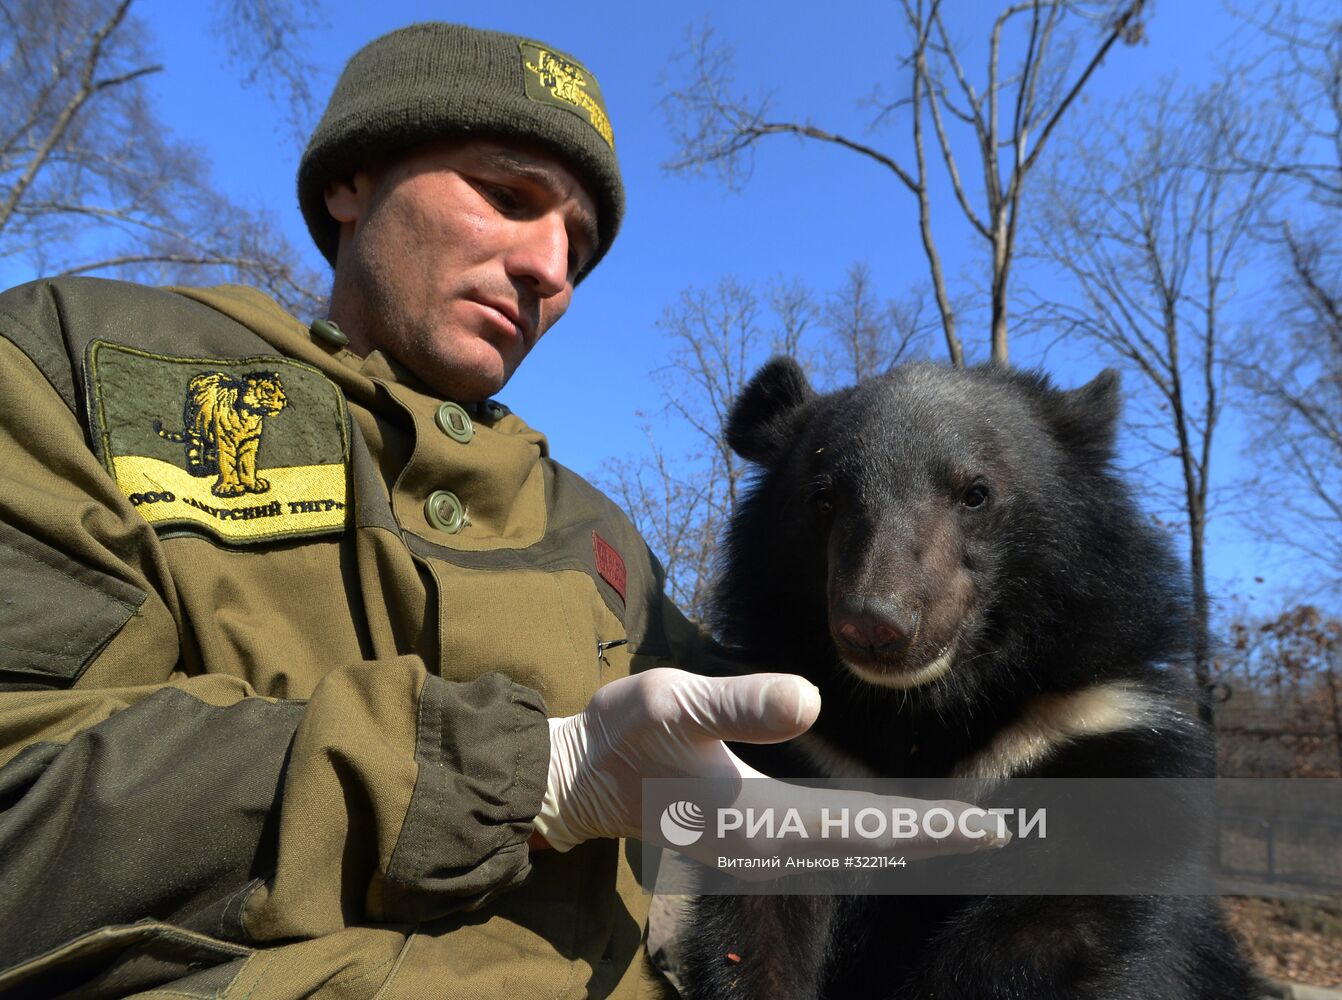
column 539, row 627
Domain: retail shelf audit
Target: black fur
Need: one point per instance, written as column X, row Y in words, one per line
column 978, row 511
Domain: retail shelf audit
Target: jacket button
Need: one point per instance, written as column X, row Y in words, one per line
column 453, row 421
column 444, row 511
column 324, row 329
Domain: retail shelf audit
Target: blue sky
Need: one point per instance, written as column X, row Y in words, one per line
column 808, row 213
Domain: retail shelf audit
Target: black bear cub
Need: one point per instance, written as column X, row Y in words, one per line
column 951, row 558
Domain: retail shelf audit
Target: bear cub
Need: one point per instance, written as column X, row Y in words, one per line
column 950, row 557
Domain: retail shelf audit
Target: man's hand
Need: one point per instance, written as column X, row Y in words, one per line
column 668, row 723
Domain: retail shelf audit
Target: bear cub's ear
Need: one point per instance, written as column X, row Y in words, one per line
column 761, row 424
column 1086, row 419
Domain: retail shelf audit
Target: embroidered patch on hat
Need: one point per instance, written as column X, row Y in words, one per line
column 609, row 564
column 559, row 80
column 244, row 449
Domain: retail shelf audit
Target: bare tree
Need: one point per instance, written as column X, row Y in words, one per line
column 794, row 315
column 264, row 39
column 1294, row 385
column 1152, row 234
column 1294, row 379
column 91, row 181
column 1301, row 72
column 681, row 504
column 868, row 337
column 667, row 498
column 1005, row 119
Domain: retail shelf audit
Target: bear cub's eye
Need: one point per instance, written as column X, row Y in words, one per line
column 976, row 496
column 821, row 496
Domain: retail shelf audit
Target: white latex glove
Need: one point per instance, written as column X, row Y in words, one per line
column 668, row 723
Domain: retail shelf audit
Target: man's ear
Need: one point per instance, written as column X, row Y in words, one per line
column 346, row 197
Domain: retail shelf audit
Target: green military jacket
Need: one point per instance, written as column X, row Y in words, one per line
column 279, row 632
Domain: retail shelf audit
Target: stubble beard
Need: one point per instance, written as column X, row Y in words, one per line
column 410, row 336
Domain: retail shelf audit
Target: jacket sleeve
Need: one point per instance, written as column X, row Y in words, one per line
column 133, row 788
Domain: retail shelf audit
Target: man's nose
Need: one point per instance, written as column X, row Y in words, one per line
column 540, row 254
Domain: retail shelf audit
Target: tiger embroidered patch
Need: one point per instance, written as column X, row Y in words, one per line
column 222, row 423
column 243, row 449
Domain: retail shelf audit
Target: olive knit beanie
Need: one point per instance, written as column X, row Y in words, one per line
column 432, row 81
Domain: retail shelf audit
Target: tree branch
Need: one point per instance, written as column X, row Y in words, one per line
column 87, row 88
column 1121, row 26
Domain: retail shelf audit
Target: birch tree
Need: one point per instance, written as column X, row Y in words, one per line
column 92, row 181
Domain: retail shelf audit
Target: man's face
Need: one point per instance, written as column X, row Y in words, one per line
column 456, row 257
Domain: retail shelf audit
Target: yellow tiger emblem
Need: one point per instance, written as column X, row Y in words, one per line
column 222, row 421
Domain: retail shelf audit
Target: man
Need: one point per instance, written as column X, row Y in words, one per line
column 310, row 650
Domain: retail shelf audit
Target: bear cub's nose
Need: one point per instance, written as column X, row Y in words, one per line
column 870, row 625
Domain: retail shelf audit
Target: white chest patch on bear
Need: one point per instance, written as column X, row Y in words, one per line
column 1051, row 720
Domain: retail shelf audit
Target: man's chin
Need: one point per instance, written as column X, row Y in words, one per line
column 467, row 383
column 464, row 369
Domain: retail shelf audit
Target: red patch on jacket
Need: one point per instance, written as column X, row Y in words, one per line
column 609, row 564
